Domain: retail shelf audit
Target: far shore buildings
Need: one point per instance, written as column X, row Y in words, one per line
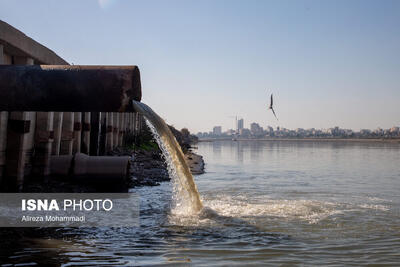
column 256, row 131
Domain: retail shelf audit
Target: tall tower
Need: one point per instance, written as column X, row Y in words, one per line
column 239, row 125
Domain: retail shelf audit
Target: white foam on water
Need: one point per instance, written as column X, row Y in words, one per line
column 375, row 207
column 311, row 211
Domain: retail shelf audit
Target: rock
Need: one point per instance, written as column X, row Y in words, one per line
column 195, row 162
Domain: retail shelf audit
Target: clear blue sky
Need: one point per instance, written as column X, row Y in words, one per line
column 328, row 63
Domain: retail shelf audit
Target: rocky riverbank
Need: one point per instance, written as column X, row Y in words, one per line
column 148, row 168
column 195, row 162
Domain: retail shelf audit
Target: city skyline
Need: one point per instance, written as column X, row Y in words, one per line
column 257, row 131
column 240, row 124
column 339, row 66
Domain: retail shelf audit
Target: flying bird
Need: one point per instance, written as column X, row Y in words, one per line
column 272, row 108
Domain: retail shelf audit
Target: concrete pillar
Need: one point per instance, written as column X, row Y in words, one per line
column 67, row 135
column 19, row 147
column 95, row 133
column 127, row 123
column 131, row 125
column 141, row 123
column 3, row 141
column 30, row 144
column 30, row 139
column 115, row 129
column 1, row 54
column 103, row 133
column 130, row 122
column 124, row 127
column 135, row 123
column 77, row 132
column 121, row 129
column 44, row 136
column 85, row 147
column 109, row 131
column 21, row 138
column 57, row 126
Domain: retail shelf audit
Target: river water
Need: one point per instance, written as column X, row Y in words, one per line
column 267, row 203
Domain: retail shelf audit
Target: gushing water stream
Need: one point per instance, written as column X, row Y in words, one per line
column 186, row 197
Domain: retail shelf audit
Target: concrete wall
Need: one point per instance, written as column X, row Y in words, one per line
column 17, row 46
column 50, row 133
column 21, row 132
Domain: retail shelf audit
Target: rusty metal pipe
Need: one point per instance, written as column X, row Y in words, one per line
column 69, row 88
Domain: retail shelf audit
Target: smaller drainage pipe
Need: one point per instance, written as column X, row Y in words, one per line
column 101, row 169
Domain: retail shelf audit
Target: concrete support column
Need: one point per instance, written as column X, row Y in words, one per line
column 77, row 132
column 85, row 147
column 57, row 126
column 30, row 143
column 2, row 55
column 115, row 129
column 121, row 129
column 103, row 133
column 127, row 122
column 3, row 141
column 95, row 133
column 19, row 147
column 125, row 127
column 67, row 135
column 109, row 131
column 44, row 136
column 141, row 123
column 133, row 127
column 135, row 123
column 130, row 126
column 32, row 117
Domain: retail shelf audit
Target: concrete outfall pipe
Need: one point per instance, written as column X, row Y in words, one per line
column 92, row 169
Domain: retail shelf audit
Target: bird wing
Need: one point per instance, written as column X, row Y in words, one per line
column 272, row 101
column 274, row 113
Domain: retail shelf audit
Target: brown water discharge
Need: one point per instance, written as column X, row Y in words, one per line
column 186, row 197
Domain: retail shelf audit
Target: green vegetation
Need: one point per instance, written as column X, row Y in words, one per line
column 149, row 146
column 145, row 141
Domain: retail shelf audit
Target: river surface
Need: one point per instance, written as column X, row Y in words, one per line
column 267, row 203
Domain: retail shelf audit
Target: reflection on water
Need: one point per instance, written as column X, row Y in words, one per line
column 311, row 203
